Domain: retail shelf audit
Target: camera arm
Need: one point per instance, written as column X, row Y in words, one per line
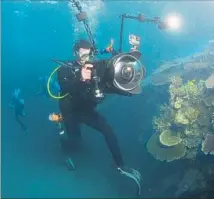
column 140, row 18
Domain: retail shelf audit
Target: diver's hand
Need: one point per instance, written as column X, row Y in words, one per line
column 86, row 72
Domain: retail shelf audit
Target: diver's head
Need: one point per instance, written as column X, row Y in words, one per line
column 16, row 92
column 82, row 50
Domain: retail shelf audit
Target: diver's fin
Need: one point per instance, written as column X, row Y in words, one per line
column 135, row 175
column 70, row 164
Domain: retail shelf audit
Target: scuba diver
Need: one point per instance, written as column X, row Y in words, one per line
column 57, row 118
column 54, row 86
column 18, row 104
column 78, row 103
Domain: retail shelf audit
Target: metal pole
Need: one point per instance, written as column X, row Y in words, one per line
column 121, row 33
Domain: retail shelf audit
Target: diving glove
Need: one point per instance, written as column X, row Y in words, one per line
column 133, row 174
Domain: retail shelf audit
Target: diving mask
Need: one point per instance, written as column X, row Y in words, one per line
column 84, row 54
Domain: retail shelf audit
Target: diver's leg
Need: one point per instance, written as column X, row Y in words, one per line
column 69, row 120
column 99, row 123
column 72, row 131
column 17, row 115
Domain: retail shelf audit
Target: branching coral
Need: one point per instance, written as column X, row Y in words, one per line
column 162, row 153
column 192, row 141
column 160, row 124
column 176, row 92
column 193, row 130
column 180, row 118
column 192, row 90
column 191, row 114
column 163, row 122
column 176, row 81
column 166, row 111
column 178, row 103
column 191, row 153
column 186, row 115
column 168, row 139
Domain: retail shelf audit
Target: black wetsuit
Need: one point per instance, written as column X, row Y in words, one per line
column 19, row 111
column 79, row 106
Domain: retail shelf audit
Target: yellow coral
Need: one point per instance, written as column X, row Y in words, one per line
column 168, row 139
column 178, row 103
column 192, row 91
column 188, row 90
column 180, row 118
column 191, row 114
column 177, row 91
column 164, row 153
column 186, row 115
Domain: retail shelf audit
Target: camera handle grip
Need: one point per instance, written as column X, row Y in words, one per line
column 98, row 94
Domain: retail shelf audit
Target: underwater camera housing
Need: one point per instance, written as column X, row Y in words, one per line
column 127, row 72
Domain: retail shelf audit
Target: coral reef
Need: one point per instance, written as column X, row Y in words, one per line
column 209, row 83
column 168, row 139
column 184, row 124
column 164, row 153
column 196, row 66
column 192, row 180
column 192, row 141
column 191, row 154
column 208, row 144
column 188, row 118
column 209, row 100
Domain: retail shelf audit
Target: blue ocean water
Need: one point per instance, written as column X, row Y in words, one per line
column 35, row 31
